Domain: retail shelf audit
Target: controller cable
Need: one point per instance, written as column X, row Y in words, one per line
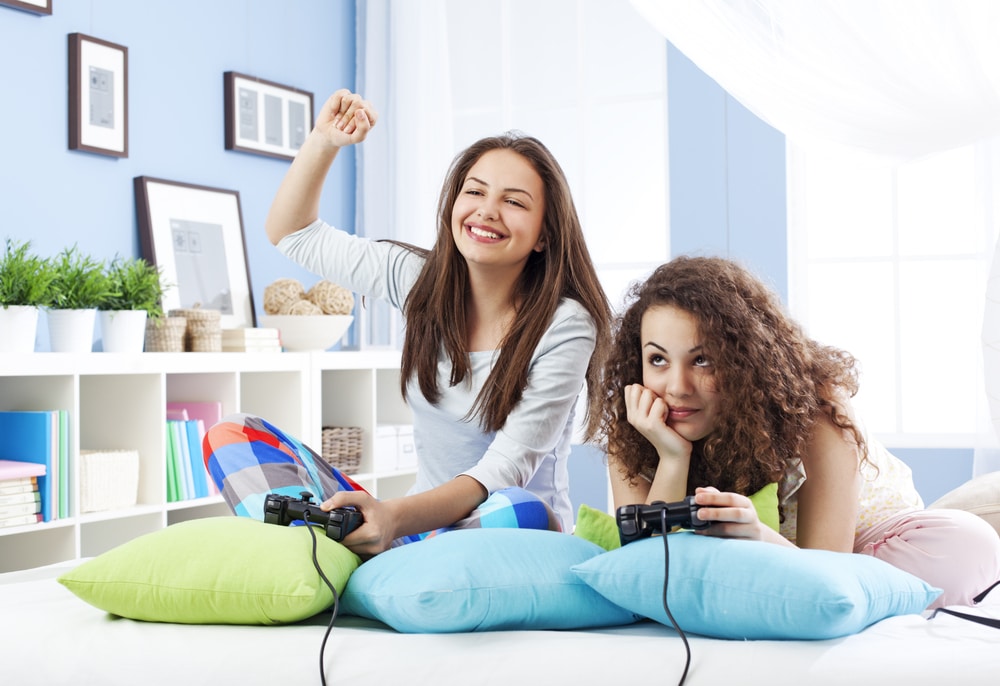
column 336, row 597
column 666, row 608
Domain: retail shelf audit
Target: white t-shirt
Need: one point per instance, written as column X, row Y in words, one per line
column 532, row 448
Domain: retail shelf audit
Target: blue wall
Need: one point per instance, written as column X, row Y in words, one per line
column 177, row 53
column 727, row 176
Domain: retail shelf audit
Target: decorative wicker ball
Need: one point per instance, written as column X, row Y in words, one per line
column 331, row 298
column 281, row 294
column 301, row 307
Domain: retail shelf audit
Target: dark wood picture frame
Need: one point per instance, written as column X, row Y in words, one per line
column 264, row 117
column 42, row 7
column 98, row 96
column 194, row 235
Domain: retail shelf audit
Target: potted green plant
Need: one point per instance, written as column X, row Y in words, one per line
column 135, row 296
column 80, row 285
column 25, row 280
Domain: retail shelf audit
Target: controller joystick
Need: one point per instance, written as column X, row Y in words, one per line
column 284, row 509
column 641, row 521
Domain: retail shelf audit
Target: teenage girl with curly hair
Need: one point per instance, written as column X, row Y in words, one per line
column 712, row 390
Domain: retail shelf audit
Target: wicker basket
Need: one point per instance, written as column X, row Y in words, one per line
column 204, row 329
column 109, row 479
column 342, row 447
column 165, row 334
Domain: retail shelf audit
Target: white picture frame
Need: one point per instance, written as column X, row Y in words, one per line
column 98, row 96
column 264, row 117
column 194, row 235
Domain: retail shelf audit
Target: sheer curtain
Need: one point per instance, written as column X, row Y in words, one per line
column 904, row 91
column 403, row 69
column 901, row 78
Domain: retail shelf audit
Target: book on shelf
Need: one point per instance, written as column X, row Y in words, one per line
column 208, row 411
column 28, row 437
column 20, row 520
column 17, row 486
column 250, row 347
column 259, row 333
column 12, row 470
column 187, row 476
column 20, row 498
column 30, row 507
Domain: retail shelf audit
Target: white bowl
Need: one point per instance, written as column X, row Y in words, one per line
column 304, row 332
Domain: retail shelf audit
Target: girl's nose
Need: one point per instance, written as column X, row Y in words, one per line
column 678, row 384
column 487, row 211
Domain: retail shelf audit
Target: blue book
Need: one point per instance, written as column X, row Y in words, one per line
column 198, row 473
column 26, row 436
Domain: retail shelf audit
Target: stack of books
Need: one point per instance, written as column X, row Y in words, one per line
column 41, row 437
column 251, row 340
column 20, row 497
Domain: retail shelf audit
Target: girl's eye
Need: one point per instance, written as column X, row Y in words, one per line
column 473, row 191
column 515, row 203
column 657, row 360
column 702, row 361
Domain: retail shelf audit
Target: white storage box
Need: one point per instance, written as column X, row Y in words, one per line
column 394, row 448
column 406, row 450
column 385, row 449
column 109, row 479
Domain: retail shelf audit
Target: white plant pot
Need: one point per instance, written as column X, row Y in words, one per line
column 123, row 331
column 18, row 326
column 71, row 331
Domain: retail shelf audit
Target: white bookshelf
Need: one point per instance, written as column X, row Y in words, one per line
column 118, row 401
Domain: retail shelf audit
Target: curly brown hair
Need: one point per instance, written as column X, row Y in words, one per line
column 774, row 382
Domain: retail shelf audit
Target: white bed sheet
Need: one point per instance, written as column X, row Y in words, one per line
column 50, row 638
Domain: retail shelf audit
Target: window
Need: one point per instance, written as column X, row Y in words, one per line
column 891, row 262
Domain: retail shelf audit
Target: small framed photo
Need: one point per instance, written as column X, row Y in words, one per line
column 264, row 117
column 98, row 96
column 33, row 6
column 194, row 234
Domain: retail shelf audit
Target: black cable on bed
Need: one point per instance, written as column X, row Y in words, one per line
column 336, row 599
column 664, row 527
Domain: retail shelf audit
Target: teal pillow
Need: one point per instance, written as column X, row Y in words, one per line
column 729, row 588
column 219, row 570
column 481, row 580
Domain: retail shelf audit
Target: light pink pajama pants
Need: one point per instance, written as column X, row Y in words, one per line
column 953, row 550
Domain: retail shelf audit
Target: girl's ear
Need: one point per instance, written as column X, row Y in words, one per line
column 540, row 245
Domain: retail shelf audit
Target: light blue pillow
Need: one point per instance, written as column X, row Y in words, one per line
column 481, row 580
column 728, row 588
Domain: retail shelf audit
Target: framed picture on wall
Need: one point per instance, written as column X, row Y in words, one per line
column 34, row 6
column 264, row 117
column 194, row 235
column 98, row 96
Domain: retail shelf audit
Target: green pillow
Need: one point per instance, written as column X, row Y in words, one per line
column 601, row 528
column 218, row 570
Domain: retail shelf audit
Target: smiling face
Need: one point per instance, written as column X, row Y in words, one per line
column 675, row 367
column 497, row 217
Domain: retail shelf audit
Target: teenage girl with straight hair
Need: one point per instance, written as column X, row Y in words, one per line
column 506, row 324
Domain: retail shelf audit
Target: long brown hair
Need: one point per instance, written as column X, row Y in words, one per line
column 774, row 382
column 435, row 307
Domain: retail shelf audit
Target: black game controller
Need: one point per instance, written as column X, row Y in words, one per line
column 284, row 509
column 640, row 521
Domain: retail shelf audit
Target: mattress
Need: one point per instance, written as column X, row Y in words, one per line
column 51, row 637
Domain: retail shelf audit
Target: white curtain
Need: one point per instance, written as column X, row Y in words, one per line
column 898, row 78
column 403, row 70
